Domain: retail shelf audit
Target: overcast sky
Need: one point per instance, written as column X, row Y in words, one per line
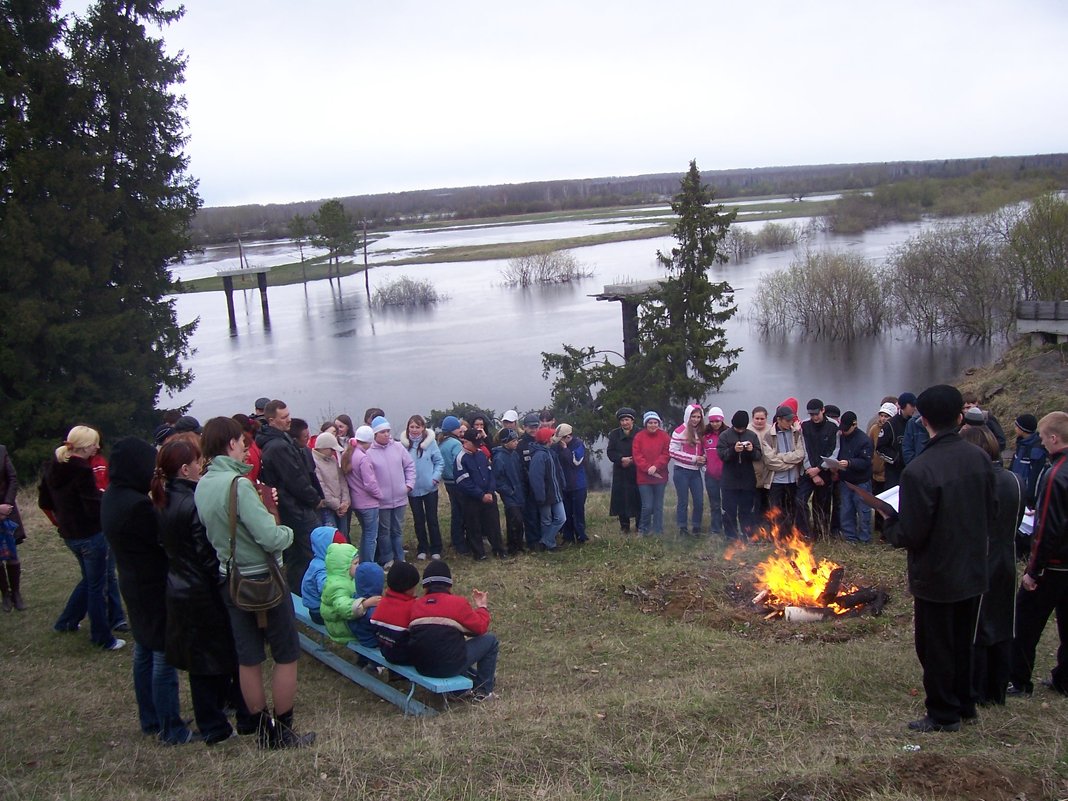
column 298, row 101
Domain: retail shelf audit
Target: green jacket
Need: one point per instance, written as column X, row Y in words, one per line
column 256, row 530
column 338, row 592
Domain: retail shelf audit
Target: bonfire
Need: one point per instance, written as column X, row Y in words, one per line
column 794, row 584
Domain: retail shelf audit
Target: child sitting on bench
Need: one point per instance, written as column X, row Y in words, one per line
column 341, row 608
column 448, row 637
column 394, row 612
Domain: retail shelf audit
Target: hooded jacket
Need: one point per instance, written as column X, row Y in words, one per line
column 572, row 458
column 332, row 480
column 474, row 474
column 683, row 452
column 311, row 587
column 370, row 578
column 131, row 526
column 363, row 485
column 339, row 600
column 394, row 472
column 428, row 461
column 1027, row 463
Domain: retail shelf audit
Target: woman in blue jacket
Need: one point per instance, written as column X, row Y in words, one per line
column 429, row 467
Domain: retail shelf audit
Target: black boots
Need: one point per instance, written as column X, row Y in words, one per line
column 278, row 732
column 10, row 581
column 5, row 589
column 14, row 573
column 287, row 735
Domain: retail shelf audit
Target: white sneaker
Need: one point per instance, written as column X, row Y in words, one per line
column 115, row 646
column 388, row 565
column 435, row 556
column 421, row 557
column 479, row 698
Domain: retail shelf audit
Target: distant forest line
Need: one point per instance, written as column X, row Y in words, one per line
column 403, row 209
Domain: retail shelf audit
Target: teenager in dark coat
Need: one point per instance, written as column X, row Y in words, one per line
column 625, row 502
column 947, row 506
column 993, row 636
column 199, row 639
column 132, row 530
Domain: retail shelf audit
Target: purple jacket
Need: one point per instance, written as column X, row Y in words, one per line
column 394, row 471
column 363, row 486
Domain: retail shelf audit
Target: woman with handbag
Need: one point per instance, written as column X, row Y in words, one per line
column 249, row 543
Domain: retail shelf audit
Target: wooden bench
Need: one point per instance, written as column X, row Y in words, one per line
column 382, row 689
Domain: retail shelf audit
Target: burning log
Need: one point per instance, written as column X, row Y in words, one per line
column 834, row 583
column 874, row 598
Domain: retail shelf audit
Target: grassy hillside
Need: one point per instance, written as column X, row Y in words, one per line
column 628, row 670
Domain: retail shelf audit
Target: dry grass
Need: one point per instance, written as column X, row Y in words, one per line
column 599, row 699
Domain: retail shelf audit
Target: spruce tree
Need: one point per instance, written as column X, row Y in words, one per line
column 683, row 343
column 95, row 203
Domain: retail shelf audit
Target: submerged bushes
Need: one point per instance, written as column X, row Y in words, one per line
column 554, row 267
column 406, row 291
column 741, row 243
column 826, row 295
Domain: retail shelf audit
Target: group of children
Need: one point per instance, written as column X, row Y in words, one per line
column 438, row 633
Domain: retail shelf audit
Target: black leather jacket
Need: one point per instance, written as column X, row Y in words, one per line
column 1049, row 543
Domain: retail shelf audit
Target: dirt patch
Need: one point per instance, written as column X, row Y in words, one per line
column 720, row 596
column 921, row 775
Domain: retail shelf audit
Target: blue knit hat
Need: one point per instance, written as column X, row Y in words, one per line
column 450, row 424
column 651, row 416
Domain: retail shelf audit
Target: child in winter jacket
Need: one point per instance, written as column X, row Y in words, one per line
column 394, row 612
column 311, row 586
column 508, row 469
column 340, row 604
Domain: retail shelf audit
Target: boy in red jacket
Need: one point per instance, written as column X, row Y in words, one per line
column 448, row 637
column 394, row 612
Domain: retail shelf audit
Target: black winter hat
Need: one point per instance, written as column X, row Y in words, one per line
column 1027, row 423
column 437, row 572
column 740, row 419
column 402, row 576
column 848, row 419
column 941, row 405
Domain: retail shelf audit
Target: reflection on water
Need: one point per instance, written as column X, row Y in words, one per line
column 327, row 352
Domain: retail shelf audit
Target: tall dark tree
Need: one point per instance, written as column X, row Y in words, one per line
column 300, row 229
column 683, row 352
column 95, row 203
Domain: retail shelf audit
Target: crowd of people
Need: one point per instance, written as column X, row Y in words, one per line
column 178, row 515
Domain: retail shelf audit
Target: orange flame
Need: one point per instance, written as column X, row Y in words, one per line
column 792, row 575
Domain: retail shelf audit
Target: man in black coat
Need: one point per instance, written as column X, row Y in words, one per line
column 285, row 469
column 820, row 436
column 946, row 507
column 738, row 448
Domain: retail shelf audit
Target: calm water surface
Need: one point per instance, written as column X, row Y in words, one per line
column 324, row 351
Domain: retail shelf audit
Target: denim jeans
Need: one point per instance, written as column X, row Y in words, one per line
column 425, row 517
column 482, row 656
column 652, row 519
column 552, row 519
column 328, row 517
column 96, row 594
column 369, row 534
column 391, row 535
column 688, row 485
column 574, row 528
column 715, row 501
column 852, row 509
column 156, row 690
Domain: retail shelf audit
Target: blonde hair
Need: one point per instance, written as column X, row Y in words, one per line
column 1055, row 423
column 77, row 438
